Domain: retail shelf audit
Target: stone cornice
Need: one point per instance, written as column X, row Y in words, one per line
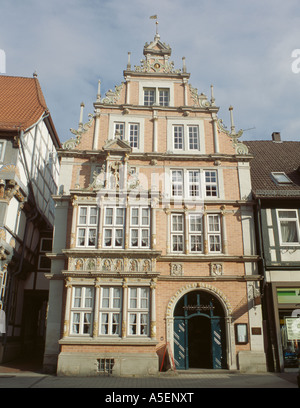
column 96, row 154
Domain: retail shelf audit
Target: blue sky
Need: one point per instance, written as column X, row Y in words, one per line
column 242, row 47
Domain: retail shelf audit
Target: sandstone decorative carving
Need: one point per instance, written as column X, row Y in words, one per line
column 176, row 269
column 216, row 269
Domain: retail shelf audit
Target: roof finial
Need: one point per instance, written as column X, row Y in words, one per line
column 231, row 120
column 99, row 90
column 81, row 115
column 129, row 62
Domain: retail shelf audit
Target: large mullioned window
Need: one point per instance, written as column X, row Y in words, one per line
column 135, row 319
column 194, row 183
column 195, row 233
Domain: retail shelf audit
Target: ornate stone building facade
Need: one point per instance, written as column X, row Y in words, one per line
column 154, row 264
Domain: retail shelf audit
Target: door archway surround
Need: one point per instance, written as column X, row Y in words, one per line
column 220, row 296
column 192, row 286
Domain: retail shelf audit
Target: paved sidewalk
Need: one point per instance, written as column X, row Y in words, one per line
column 166, row 382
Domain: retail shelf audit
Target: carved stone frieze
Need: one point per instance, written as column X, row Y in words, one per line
column 114, row 265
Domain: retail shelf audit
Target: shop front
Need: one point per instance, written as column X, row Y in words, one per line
column 287, row 322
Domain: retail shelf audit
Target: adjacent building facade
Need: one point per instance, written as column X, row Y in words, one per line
column 154, row 259
column 275, row 173
column 29, row 171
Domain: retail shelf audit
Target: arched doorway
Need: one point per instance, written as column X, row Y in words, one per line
column 199, row 332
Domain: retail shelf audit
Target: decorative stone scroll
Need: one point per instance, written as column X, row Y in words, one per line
column 72, row 143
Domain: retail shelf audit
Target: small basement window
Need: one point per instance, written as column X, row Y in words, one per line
column 281, row 178
column 105, row 365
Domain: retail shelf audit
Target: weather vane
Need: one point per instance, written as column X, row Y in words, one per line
column 155, row 18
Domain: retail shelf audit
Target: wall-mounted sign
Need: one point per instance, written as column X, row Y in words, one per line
column 293, row 328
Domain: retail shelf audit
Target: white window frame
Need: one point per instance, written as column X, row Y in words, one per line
column 120, row 128
column 149, row 96
column 80, row 310
column 139, row 230
column 186, row 124
column 214, row 234
column 138, row 311
column 2, row 150
column 294, row 219
column 134, row 135
column 210, row 185
column 193, row 137
column 157, row 85
column 192, row 183
column 114, row 227
column 84, row 229
column 110, row 308
column 114, row 120
column 196, row 233
column 177, row 235
column 156, row 96
column 178, row 137
column 177, row 182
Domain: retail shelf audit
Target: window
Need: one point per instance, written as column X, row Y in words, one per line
column 82, row 310
column 138, row 311
column 140, row 227
column 192, row 133
column 288, row 227
column 176, row 183
column 127, row 129
column 87, row 226
column 134, row 135
column 194, row 183
column 214, row 233
column 177, row 232
column 178, row 137
column 149, row 97
column 281, row 178
column 164, row 97
column 211, row 184
column 193, row 137
column 119, row 130
column 114, row 221
column 2, row 148
column 154, row 96
column 110, row 311
column 195, row 232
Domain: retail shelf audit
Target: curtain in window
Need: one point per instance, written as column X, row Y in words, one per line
column 289, row 231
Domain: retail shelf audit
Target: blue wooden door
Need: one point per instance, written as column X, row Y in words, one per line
column 218, row 342
column 180, row 343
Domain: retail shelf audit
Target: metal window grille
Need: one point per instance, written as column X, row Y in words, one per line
column 105, row 365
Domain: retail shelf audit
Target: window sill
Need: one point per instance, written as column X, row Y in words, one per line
column 140, row 341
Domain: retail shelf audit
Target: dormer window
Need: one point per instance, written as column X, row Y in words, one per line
column 281, row 178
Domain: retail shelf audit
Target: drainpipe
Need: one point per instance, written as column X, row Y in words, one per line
column 264, row 300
